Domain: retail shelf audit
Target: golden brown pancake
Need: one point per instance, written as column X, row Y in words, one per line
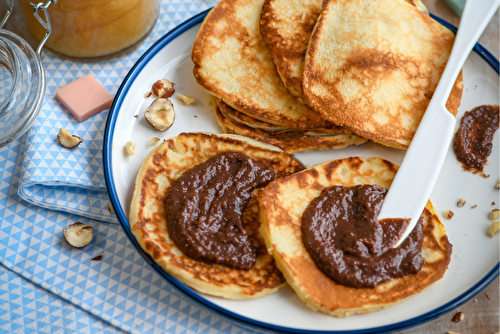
column 148, row 219
column 283, row 203
column 291, row 141
column 235, row 115
column 372, row 67
column 232, row 62
column 287, row 36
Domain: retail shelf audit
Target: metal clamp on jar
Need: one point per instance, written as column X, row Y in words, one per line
column 22, row 77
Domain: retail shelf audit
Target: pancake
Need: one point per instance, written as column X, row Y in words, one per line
column 235, row 116
column 283, row 203
column 240, row 117
column 372, row 67
column 287, row 36
column 291, row 141
column 148, row 221
column 232, row 62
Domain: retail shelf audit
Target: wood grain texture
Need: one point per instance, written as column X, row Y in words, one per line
column 481, row 313
column 481, row 316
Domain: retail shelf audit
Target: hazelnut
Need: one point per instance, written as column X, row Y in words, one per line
column 461, row 202
column 163, row 88
column 68, row 140
column 498, row 184
column 448, row 214
column 186, row 99
column 494, row 228
column 153, row 141
column 78, row 234
column 160, row 114
column 148, row 94
column 458, row 317
column 130, row 148
column 494, row 214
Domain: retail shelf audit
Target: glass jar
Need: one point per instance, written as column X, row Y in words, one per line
column 22, row 82
column 87, row 30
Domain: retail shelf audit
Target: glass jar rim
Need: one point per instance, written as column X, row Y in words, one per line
column 26, row 96
column 28, row 92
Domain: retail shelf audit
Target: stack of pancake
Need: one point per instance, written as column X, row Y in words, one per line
column 233, row 63
column 307, row 75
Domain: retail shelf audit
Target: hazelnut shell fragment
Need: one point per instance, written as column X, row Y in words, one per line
column 78, row 234
column 130, row 148
column 461, row 202
column 458, row 317
column 154, row 141
column 160, row 114
column 494, row 228
column 448, row 214
column 186, row 99
column 163, row 88
column 68, row 140
column 494, row 214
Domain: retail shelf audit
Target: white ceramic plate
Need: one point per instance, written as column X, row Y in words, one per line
column 475, row 259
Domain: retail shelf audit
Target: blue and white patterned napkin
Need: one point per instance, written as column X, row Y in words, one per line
column 28, row 308
column 122, row 288
column 72, row 180
column 62, row 179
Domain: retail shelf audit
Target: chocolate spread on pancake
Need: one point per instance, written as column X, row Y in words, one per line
column 341, row 232
column 205, row 209
column 474, row 139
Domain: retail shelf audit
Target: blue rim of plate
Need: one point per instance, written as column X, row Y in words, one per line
column 194, row 296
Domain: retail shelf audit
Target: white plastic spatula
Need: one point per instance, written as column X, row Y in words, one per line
column 415, row 179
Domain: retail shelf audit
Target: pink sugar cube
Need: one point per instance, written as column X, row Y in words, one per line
column 84, row 97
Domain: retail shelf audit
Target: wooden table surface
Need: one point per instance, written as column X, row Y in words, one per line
column 481, row 313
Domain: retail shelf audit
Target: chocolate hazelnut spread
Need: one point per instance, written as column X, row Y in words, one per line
column 474, row 139
column 341, row 232
column 205, row 209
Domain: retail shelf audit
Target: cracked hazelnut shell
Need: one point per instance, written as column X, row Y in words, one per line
column 163, row 88
column 68, row 140
column 78, row 234
column 160, row 114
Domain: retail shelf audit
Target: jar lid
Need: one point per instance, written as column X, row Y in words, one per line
column 22, row 86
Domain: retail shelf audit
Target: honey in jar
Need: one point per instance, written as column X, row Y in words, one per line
column 95, row 29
